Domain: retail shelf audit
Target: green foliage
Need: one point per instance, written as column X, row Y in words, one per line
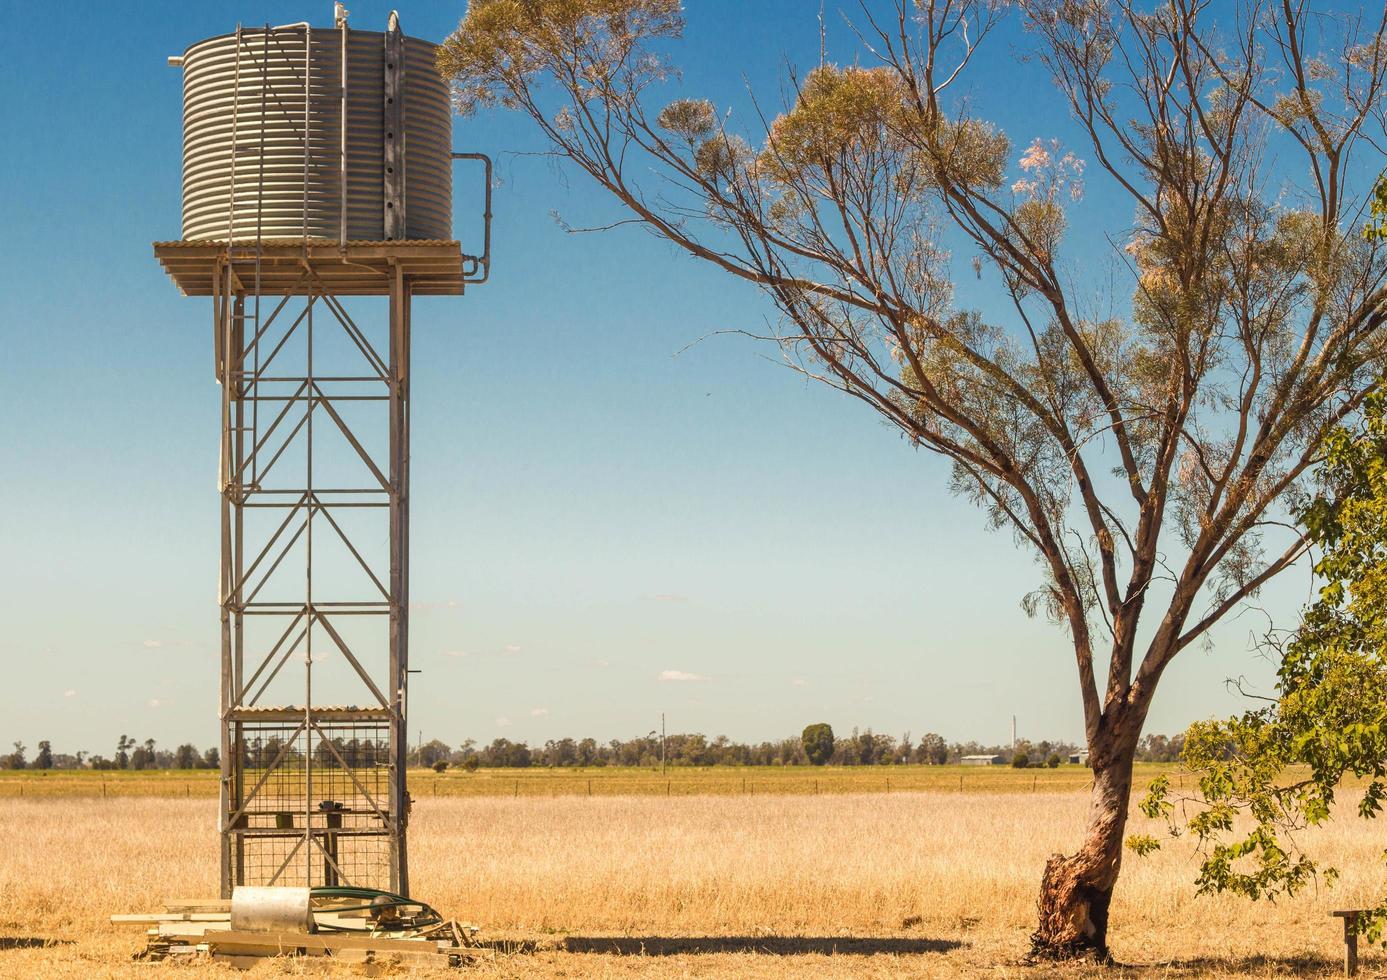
column 1376, row 228
column 817, row 741
column 1053, row 762
column 441, row 765
column 1143, row 844
column 471, row 763
column 502, row 44
column 1020, row 761
column 1282, row 765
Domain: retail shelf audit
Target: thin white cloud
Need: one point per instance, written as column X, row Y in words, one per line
column 799, row 682
column 512, row 648
column 538, row 712
column 680, row 675
column 601, row 662
column 503, row 722
column 153, row 702
column 153, row 644
column 69, row 693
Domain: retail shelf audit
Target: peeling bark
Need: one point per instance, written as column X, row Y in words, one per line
column 1076, row 890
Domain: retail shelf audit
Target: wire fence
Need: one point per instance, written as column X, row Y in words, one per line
column 612, row 781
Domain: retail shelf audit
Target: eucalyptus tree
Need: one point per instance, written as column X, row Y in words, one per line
column 1147, row 459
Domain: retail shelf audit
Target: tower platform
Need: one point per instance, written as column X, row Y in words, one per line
column 289, row 266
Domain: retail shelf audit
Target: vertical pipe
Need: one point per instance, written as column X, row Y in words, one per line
column 312, row 613
column 342, row 145
column 399, row 430
column 406, row 300
column 312, row 401
column 227, row 585
column 236, row 382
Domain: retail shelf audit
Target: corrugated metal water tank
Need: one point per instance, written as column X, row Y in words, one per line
column 244, row 106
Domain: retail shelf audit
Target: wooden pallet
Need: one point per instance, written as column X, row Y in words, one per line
column 203, row 928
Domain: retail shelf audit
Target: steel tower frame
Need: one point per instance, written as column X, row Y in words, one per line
column 264, row 782
column 315, row 794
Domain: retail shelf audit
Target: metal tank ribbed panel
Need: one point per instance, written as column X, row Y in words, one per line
column 254, row 91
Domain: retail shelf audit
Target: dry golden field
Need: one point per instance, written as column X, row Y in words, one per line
column 928, row 884
column 603, row 781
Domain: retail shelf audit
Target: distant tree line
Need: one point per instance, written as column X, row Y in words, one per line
column 129, row 754
column 817, row 745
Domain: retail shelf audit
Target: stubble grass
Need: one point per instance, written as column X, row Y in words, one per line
column 841, row 884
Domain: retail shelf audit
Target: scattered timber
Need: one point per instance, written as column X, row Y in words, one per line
column 186, row 929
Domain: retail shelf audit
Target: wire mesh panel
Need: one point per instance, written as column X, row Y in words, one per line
column 315, row 805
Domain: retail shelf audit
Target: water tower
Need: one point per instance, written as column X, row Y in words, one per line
column 317, row 202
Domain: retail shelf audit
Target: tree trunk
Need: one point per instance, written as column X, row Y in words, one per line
column 1075, row 891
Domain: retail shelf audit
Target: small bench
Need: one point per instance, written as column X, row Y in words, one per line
column 1350, row 917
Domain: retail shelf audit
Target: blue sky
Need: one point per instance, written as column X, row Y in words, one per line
column 592, row 507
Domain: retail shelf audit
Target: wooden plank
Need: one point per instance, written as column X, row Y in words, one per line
column 325, row 941
column 198, row 905
column 155, row 918
column 325, row 714
column 181, row 930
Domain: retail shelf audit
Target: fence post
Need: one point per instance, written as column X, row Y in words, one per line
column 517, row 789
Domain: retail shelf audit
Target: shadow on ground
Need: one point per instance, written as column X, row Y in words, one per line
column 1261, row 966
column 765, row 945
column 31, row 942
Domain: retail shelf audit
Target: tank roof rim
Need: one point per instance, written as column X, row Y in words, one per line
column 261, row 30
